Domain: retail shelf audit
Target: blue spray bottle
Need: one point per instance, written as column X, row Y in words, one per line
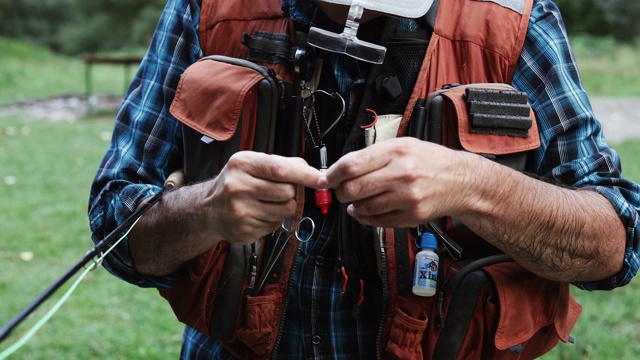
column 425, row 276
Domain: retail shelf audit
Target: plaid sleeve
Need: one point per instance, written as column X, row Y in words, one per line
column 573, row 150
column 146, row 144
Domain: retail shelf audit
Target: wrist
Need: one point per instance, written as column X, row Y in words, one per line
column 482, row 182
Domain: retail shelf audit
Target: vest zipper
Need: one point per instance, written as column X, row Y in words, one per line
column 385, row 291
column 285, row 304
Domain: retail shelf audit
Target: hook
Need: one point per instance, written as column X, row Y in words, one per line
column 333, row 95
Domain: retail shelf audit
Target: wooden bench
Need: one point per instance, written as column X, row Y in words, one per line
column 125, row 60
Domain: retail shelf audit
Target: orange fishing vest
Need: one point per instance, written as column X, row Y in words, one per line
column 517, row 315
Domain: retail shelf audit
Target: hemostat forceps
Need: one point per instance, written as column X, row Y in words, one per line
column 280, row 241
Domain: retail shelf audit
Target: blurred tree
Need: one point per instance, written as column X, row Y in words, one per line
column 582, row 16
column 107, row 25
column 623, row 19
column 616, row 18
column 84, row 26
column 81, row 26
column 34, row 20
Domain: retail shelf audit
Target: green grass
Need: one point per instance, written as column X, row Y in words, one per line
column 45, row 172
column 608, row 68
column 30, row 72
column 44, row 184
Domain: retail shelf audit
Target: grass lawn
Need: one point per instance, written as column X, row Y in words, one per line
column 45, row 172
column 44, row 184
column 608, row 68
column 29, row 72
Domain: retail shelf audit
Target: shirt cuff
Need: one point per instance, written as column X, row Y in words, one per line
column 114, row 205
column 629, row 217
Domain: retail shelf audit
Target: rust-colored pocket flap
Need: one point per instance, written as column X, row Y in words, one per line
column 481, row 143
column 528, row 303
column 211, row 95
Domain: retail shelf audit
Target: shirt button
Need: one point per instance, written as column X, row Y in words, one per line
column 319, row 260
column 316, row 339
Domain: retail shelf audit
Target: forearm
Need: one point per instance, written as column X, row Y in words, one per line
column 558, row 233
column 172, row 232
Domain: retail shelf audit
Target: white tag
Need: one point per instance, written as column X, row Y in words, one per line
column 412, row 9
column 205, row 139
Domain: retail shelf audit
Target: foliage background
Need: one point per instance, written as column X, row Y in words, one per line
column 80, row 26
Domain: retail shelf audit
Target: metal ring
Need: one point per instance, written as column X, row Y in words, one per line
column 297, row 231
column 418, row 232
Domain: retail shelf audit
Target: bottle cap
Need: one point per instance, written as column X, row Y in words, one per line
column 428, row 240
column 323, row 200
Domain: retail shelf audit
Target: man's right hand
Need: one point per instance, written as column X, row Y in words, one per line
column 253, row 194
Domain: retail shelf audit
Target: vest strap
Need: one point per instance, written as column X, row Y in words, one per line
column 268, row 47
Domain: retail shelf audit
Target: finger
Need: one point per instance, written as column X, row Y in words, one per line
column 390, row 219
column 241, row 186
column 377, row 205
column 295, row 171
column 362, row 187
column 275, row 211
column 276, row 201
column 248, row 233
column 249, row 220
column 356, row 164
column 282, row 169
column 268, row 191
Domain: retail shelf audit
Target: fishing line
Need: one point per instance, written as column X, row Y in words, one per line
column 35, row 328
column 98, row 251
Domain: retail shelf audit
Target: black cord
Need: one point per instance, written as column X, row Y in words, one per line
column 88, row 257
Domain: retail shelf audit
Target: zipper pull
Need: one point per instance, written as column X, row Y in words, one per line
column 253, row 265
column 345, row 279
column 357, row 308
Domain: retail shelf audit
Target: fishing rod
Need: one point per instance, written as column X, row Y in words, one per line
column 175, row 179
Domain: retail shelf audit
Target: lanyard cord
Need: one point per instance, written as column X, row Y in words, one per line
column 32, row 331
column 98, row 251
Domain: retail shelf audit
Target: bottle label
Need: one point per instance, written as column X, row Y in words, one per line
column 426, row 272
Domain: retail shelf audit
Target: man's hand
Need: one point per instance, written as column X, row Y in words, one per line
column 400, row 182
column 558, row 233
column 253, row 194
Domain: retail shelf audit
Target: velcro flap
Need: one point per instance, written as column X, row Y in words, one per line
column 521, row 135
column 211, row 95
column 529, row 303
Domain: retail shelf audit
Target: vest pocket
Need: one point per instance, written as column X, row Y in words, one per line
column 533, row 313
column 405, row 337
column 258, row 332
column 502, row 311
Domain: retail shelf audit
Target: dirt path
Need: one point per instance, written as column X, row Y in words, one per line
column 620, row 118
column 63, row 108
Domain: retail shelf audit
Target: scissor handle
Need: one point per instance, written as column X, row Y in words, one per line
column 297, row 230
